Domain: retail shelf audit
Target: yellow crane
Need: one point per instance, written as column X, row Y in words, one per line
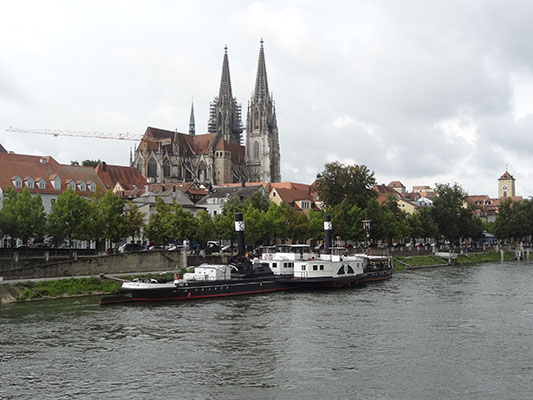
column 98, row 135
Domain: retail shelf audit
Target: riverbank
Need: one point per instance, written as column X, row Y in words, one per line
column 427, row 261
column 67, row 287
column 96, row 286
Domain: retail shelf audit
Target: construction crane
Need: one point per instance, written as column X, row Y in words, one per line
column 98, row 135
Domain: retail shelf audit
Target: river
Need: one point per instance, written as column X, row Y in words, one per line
column 445, row 333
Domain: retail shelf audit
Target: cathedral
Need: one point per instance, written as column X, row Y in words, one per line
column 218, row 156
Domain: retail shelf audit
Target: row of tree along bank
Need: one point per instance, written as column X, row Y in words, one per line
column 346, row 192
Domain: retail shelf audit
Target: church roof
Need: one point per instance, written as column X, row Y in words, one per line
column 506, row 176
column 129, row 177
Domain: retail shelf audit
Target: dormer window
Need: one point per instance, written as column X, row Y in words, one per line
column 56, row 181
column 30, row 183
column 92, row 187
column 82, row 186
column 72, row 185
column 41, row 184
column 17, row 182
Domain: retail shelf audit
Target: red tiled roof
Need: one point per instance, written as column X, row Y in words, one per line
column 12, row 165
column 396, row 184
column 506, row 175
column 127, row 176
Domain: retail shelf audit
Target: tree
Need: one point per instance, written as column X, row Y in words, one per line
column 170, row 223
column 225, row 227
column 298, row 226
column 69, row 218
column 205, row 227
column 453, row 219
column 134, row 220
column 22, row 215
column 109, row 218
column 275, row 223
column 353, row 182
column 347, row 221
column 258, row 200
column 316, row 225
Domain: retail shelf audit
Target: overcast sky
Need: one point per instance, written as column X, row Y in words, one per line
column 423, row 91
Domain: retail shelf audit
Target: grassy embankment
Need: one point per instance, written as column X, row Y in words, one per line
column 72, row 287
column 462, row 259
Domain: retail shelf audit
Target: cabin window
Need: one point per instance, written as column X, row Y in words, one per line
column 303, row 267
column 350, row 270
column 341, row 270
column 321, row 268
column 315, row 267
column 274, row 265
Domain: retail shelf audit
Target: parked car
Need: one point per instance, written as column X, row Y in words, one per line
column 127, row 247
column 212, row 247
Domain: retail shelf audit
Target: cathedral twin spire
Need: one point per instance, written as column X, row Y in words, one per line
column 262, row 144
column 261, row 83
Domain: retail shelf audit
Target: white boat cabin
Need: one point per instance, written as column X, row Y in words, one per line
column 333, row 265
column 208, row 272
column 283, row 259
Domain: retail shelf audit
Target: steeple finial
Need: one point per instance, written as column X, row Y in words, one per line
column 192, row 129
column 225, row 81
column 261, row 82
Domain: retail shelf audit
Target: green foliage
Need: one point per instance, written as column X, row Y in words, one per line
column 90, row 163
column 109, row 218
column 225, row 226
column 419, row 261
column 66, row 287
column 205, row 228
column 170, row 223
column 316, row 225
column 22, row 215
column 347, row 221
column 70, row 218
column 353, row 182
column 454, row 220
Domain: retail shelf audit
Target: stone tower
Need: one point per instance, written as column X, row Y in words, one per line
column 224, row 112
column 262, row 142
column 506, row 185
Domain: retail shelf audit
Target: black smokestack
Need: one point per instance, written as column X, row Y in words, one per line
column 328, row 227
column 239, row 229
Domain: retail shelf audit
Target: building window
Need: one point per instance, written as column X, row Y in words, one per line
column 166, row 168
column 255, row 154
column 256, row 119
column 30, row 183
column 92, row 187
column 72, row 185
column 152, row 168
column 82, row 186
column 41, row 184
column 17, row 182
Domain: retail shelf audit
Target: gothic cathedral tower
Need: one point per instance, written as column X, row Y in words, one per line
column 262, row 143
column 224, row 112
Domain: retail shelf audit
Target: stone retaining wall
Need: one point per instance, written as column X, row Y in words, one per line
column 146, row 261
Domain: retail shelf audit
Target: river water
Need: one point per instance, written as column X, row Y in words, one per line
column 446, row 333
